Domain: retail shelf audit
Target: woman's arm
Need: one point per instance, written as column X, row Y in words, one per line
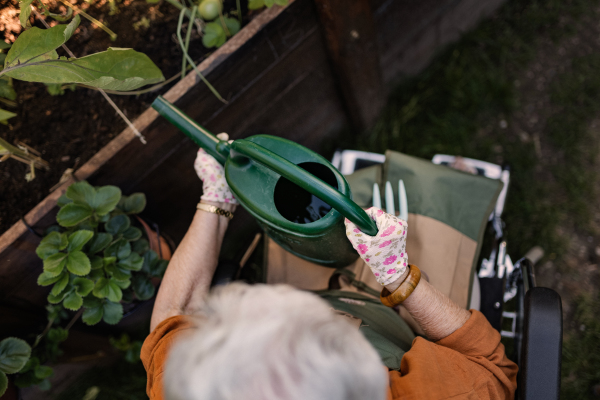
column 435, row 313
column 190, row 271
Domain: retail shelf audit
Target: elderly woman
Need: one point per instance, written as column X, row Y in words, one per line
column 274, row 342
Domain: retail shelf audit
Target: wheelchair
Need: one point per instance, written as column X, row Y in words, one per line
column 455, row 210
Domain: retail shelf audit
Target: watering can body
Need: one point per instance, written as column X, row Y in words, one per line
column 296, row 195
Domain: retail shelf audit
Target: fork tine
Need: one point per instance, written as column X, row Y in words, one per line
column 402, row 200
column 376, row 196
column 389, row 199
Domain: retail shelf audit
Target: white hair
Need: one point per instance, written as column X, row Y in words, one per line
column 273, row 342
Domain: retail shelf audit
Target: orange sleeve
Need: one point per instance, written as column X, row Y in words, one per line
column 470, row 363
column 155, row 350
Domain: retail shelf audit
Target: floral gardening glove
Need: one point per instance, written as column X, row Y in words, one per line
column 384, row 253
column 212, row 175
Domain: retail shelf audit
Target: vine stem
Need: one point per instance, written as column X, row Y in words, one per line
column 189, row 59
column 112, row 35
column 108, row 99
column 188, row 35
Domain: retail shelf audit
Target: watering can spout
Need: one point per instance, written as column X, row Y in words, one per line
column 219, row 149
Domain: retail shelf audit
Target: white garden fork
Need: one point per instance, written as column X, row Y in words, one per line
column 389, row 199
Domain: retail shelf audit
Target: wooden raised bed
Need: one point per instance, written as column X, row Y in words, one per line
column 279, row 80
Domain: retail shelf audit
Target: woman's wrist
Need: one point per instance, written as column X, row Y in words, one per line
column 396, row 284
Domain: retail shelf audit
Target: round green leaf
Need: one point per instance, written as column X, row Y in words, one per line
column 46, row 279
column 45, row 384
column 114, row 292
column 117, row 224
column 117, row 273
column 140, row 246
column 63, row 200
column 58, row 335
column 51, row 244
column 101, row 288
column 55, row 264
column 233, row 25
column 3, row 383
column 123, row 284
column 99, row 242
column 78, row 263
column 106, row 199
column 96, row 274
column 72, row 214
column 83, row 286
column 142, row 287
column 43, row 372
column 214, row 35
column 73, row 301
column 14, row 353
column 78, row 239
column 134, row 262
column 81, row 193
column 132, row 233
column 52, row 299
column 60, row 285
column 113, row 312
column 133, row 204
column 255, row 4
column 91, row 316
column 158, row 270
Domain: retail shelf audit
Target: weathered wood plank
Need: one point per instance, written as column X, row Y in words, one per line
column 351, row 40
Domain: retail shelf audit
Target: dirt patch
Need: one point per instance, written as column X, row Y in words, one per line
column 70, row 129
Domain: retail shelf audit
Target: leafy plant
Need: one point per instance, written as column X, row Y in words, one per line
column 14, row 355
column 21, row 152
column 129, row 348
column 256, row 4
column 96, row 259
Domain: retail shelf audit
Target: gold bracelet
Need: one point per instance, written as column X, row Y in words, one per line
column 404, row 290
column 214, row 210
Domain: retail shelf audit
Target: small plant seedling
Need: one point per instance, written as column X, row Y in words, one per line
column 14, row 355
column 22, row 153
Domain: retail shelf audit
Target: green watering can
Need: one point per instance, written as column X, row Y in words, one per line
column 297, row 196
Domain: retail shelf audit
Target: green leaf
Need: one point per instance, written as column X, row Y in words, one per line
column 120, row 249
column 71, row 27
column 158, row 270
column 269, row 3
column 72, row 214
column 60, row 285
column 109, row 260
column 233, row 25
column 93, row 315
column 78, row 239
column 6, row 89
column 4, row 45
column 133, row 204
column 132, row 233
column 255, row 4
column 96, row 274
column 281, row 2
column 58, row 335
column 106, row 199
column 5, row 115
column 119, row 274
column 113, row 312
column 35, row 44
column 51, row 244
column 78, row 263
column 55, row 264
column 14, row 353
column 96, row 262
column 101, row 288
column 3, row 383
column 73, row 301
column 46, row 279
column 63, row 200
column 43, row 372
column 141, row 246
column 114, row 69
column 44, row 385
column 114, row 292
column 83, row 286
column 142, row 287
column 25, row 6
column 57, row 299
column 214, row 35
column 81, row 193
column 91, row 302
column 134, row 262
column 117, row 224
column 150, row 259
column 123, row 284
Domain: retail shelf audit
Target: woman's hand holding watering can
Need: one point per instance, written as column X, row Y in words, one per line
column 384, row 253
column 212, row 175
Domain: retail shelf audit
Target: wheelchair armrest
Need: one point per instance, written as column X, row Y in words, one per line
column 539, row 375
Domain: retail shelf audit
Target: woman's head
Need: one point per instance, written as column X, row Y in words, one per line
column 272, row 342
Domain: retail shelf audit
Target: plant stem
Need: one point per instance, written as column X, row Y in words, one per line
column 212, row 89
column 112, row 35
column 74, row 319
column 223, row 24
column 188, row 34
column 239, row 11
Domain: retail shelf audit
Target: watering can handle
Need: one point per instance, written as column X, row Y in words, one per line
column 306, row 181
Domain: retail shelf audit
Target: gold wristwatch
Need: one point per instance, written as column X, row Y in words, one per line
column 214, row 210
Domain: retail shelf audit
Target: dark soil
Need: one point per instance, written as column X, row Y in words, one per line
column 69, row 129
